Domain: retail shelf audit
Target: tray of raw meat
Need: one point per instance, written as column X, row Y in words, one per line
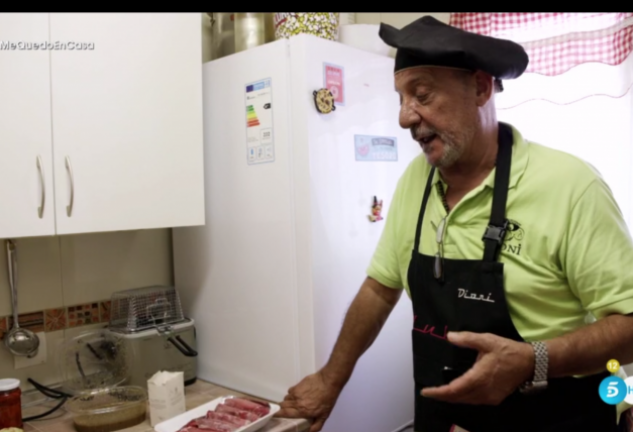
column 224, row 414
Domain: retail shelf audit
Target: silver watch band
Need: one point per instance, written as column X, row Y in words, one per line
column 541, row 362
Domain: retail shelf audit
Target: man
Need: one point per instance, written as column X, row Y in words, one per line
column 503, row 246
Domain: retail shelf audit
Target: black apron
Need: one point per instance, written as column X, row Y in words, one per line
column 470, row 297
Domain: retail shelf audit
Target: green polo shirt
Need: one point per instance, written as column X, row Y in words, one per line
column 569, row 252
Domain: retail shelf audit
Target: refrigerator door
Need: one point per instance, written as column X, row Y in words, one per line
column 355, row 153
column 235, row 274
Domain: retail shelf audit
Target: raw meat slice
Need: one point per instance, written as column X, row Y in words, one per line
column 229, row 418
column 193, row 429
column 216, row 425
column 248, row 405
column 243, row 414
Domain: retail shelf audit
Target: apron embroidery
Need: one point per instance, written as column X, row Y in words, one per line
column 463, row 293
column 429, row 331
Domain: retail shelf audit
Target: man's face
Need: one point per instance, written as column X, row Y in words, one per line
column 438, row 106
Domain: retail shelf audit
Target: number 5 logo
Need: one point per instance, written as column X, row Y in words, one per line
column 612, row 389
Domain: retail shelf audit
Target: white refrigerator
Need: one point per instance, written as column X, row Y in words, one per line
column 288, row 238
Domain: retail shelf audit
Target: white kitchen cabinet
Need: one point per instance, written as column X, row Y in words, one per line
column 27, row 205
column 125, row 118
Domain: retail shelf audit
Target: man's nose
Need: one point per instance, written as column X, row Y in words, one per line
column 408, row 116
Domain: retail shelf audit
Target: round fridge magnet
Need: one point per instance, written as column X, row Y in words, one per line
column 324, row 101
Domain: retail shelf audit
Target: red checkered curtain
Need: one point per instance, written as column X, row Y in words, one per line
column 556, row 42
column 582, row 44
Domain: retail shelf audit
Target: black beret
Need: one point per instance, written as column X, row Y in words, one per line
column 429, row 42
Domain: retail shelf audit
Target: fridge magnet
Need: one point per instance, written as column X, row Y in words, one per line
column 324, row 101
column 370, row 148
column 333, row 77
column 259, row 122
column 375, row 211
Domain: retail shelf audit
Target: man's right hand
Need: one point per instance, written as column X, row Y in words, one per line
column 313, row 399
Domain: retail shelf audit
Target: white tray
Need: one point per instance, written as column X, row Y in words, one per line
column 178, row 422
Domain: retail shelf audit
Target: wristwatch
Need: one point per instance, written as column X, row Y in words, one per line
column 539, row 383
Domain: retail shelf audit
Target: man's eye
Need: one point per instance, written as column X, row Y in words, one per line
column 423, row 98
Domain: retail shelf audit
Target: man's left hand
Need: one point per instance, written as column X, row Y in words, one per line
column 501, row 367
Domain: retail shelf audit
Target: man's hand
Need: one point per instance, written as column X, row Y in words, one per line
column 501, row 367
column 313, row 398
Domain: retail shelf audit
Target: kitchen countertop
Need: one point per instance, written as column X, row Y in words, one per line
column 195, row 395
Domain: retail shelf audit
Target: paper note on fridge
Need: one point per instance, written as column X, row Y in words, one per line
column 375, row 148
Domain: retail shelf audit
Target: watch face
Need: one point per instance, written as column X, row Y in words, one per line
column 324, row 101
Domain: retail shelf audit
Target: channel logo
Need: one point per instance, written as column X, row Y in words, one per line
column 614, row 390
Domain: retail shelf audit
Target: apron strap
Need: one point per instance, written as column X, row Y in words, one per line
column 425, row 199
column 498, row 225
column 496, row 230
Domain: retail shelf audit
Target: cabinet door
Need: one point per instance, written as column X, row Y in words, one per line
column 27, row 202
column 127, row 121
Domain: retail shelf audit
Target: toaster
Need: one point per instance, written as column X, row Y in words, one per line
column 154, row 334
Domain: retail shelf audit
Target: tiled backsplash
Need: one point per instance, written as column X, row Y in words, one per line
column 65, row 284
column 51, row 320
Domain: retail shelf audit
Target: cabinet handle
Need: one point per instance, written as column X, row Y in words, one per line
column 69, row 207
column 40, row 168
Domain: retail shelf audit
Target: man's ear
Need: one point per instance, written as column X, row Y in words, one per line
column 485, row 87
